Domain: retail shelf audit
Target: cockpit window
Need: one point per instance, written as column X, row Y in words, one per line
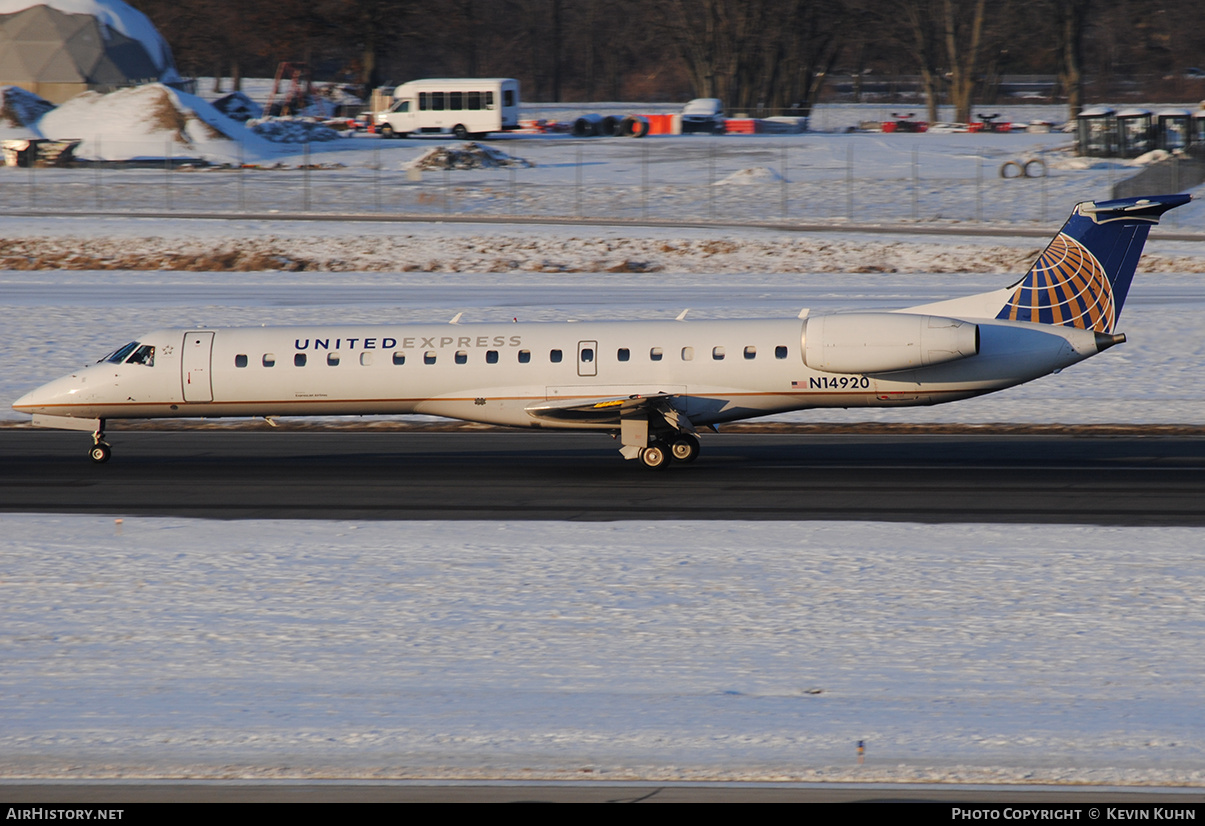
column 118, row 356
column 143, row 355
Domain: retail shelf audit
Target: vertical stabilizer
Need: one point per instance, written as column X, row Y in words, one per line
column 1083, row 276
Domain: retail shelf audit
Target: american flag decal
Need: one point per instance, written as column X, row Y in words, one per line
column 1065, row 286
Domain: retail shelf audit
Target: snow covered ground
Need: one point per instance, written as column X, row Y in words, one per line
column 825, row 175
column 973, row 653
column 192, row 648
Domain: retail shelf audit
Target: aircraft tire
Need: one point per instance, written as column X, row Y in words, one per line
column 1035, row 168
column 684, row 449
column 655, row 457
column 1011, row 169
column 100, row 453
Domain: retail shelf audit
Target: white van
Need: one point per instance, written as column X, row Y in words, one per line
column 465, row 106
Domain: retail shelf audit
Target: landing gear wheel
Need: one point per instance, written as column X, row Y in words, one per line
column 655, row 456
column 685, row 448
column 460, row 132
column 100, row 452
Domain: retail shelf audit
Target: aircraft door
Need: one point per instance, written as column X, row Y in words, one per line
column 587, row 358
column 195, row 366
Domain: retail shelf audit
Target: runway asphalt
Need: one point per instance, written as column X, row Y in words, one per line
column 1124, row 480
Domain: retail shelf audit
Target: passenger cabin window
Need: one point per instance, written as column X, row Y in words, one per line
column 299, row 359
column 491, row 356
column 655, row 354
column 555, row 356
column 269, row 360
column 365, row 359
column 524, row 356
column 717, row 353
column 474, row 100
column 623, row 354
column 399, row 357
column 462, row 357
column 332, row 359
column 688, row 353
column 489, row 100
column 750, row 352
column 780, row 352
column 429, row 357
column 240, row 360
column 456, row 101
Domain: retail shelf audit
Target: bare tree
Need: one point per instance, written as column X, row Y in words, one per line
column 922, row 22
column 1071, row 19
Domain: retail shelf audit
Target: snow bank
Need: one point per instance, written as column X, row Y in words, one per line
column 466, row 156
column 291, row 130
column 237, row 106
column 754, row 176
column 19, row 113
column 151, row 122
column 428, row 250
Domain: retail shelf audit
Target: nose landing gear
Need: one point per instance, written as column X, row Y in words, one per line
column 100, row 451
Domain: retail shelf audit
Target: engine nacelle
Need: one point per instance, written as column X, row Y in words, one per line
column 885, row 342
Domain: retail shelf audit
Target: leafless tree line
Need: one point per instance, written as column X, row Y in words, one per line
column 755, row 55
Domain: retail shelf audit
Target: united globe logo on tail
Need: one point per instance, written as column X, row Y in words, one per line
column 1066, row 286
column 1082, row 278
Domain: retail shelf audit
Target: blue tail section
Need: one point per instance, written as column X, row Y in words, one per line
column 1083, row 276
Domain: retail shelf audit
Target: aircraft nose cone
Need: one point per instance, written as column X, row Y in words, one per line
column 27, row 401
column 60, row 392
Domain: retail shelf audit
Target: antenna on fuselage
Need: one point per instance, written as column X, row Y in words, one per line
column 456, row 318
column 682, row 315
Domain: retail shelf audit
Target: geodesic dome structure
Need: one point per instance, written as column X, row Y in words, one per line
column 59, row 48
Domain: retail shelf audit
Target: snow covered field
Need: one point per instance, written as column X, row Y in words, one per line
column 192, row 648
column 973, row 653
column 812, row 177
column 825, row 175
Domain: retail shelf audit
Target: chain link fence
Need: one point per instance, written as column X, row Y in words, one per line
column 811, row 177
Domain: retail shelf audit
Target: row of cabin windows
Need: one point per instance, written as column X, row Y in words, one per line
column 458, row 101
column 491, row 356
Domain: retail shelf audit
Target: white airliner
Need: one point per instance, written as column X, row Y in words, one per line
column 652, row 384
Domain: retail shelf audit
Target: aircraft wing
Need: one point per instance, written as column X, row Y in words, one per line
column 611, row 411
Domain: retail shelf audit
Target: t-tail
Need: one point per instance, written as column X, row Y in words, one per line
column 1082, row 278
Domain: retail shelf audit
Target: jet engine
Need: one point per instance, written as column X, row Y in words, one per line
column 885, row 342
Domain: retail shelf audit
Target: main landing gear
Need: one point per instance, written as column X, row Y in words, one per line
column 658, row 434
column 682, row 449
column 100, row 451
